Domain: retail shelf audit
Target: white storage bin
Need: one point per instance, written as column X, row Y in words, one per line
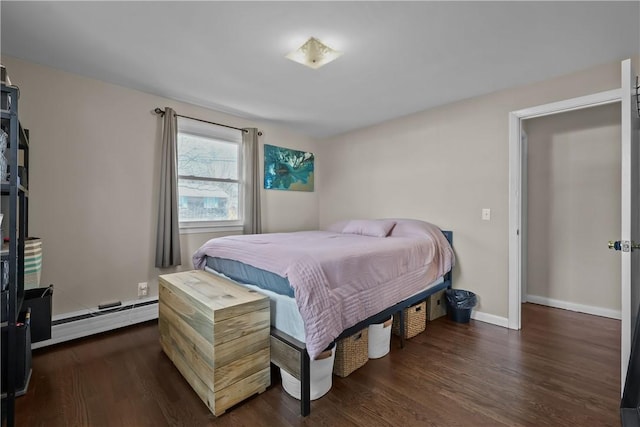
column 321, row 371
column 380, row 339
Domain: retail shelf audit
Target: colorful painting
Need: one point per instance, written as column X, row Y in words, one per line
column 286, row 169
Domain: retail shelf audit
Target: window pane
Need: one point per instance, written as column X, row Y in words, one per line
column 207, row 201
column 206, row 157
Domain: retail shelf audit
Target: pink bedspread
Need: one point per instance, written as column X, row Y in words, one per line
column 340, row 279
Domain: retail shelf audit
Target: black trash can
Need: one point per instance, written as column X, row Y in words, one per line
column 39, row 301
column 459, row 304
column 22, row 349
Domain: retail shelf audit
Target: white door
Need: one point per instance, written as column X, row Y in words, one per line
column 630, row 229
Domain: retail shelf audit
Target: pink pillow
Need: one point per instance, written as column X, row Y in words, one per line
column 336, row 227
column 369, row 227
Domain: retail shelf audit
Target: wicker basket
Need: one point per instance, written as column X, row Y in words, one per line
column 415, row 320
column 436, row 306
column 351, row 353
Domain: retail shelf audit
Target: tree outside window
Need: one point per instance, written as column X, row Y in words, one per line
column 209, row 184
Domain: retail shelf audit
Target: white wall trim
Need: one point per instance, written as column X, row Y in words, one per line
column 566, row 105
column 490, row 318
column 130, row 314
column 210, row 229
column 581, row 308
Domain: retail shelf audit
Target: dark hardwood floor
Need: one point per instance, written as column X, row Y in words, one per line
column 561, row 369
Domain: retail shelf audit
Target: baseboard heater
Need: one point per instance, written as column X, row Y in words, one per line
column 90, row 322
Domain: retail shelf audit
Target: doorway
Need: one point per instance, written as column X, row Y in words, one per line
column 629, row 98
column 571, row 208
column 629, row 229
column 517, row 182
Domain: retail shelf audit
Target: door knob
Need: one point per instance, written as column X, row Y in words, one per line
column 614, row 244
column 624, row 245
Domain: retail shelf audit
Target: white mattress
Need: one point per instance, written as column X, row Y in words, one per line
column 284, row 312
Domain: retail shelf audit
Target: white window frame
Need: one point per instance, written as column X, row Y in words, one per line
column 223, row 134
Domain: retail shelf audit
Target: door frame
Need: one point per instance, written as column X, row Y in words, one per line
column 518, row 190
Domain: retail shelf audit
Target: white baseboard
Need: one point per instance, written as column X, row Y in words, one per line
column 581, row 308
column 490, row 318
column 129, row 314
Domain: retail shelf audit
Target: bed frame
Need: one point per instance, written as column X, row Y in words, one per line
column 291, row 355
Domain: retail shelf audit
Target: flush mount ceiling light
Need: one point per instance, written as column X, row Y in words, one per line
column 314, row 54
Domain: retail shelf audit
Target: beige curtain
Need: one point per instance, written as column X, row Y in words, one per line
column 168, row 236
column 251, row 162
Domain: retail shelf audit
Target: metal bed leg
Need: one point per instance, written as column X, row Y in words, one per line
column 305, row 384
column 275, row 373
column 402, row 335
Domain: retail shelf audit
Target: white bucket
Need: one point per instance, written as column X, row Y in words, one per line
column 380, row 339
column 321, row 371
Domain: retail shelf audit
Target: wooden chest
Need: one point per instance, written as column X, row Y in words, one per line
column 217, row 334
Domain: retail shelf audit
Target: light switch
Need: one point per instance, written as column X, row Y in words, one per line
column 486, row 214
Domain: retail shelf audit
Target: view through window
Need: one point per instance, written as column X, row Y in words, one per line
column 209, row 184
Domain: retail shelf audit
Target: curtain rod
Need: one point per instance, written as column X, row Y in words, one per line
column 160, row 112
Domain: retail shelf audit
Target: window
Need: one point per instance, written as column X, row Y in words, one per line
column 209, row 171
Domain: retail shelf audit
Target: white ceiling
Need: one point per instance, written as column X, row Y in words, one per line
column 399, row 57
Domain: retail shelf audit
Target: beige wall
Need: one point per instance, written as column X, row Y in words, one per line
column 95, row 166
column 574, row 206
column 93, row 183
column 444, row 165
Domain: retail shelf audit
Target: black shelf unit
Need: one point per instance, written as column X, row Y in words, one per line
column 16, row 353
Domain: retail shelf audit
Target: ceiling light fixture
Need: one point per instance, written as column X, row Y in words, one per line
column 314, row 54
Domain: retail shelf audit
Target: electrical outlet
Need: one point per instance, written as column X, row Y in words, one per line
column 143, row 289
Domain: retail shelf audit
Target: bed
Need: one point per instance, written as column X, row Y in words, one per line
column 329, row 284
